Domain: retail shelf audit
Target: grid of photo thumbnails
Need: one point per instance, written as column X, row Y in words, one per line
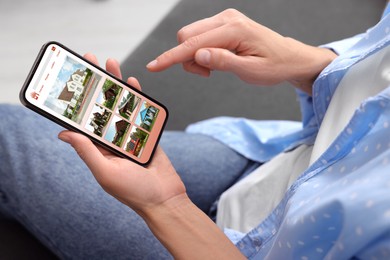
column 122, row 118
column 118, row 115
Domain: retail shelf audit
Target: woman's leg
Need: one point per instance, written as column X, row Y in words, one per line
column 47, row 188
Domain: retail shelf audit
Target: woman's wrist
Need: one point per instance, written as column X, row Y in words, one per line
column 169, row 206
column 308, row 62
column 187, row 232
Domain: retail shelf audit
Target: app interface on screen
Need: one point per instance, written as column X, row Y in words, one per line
column 67, row 87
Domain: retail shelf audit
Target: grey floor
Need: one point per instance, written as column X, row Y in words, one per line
column 108, row 28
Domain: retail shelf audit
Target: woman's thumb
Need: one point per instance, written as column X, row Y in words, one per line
column 216, row 59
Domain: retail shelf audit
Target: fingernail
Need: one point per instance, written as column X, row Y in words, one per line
column 152, row 64
column 203, row 57
column 64, row 138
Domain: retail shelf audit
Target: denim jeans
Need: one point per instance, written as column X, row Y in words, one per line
column 48, row 189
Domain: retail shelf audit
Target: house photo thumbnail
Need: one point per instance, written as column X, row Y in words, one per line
column 128, row 104
column 98, row 120
column 73, row 88
column 109, row 94
column 147, row 116
column 117, row 131
column 136, row 141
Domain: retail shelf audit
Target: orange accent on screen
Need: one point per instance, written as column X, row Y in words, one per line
column 35, row 95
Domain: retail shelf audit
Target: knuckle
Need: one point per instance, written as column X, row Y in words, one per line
column 221, row 60
column 239, row 22
column 191, row 42
column 231, row 12
column 79, row 152
column 224, row 65
column 181, row 35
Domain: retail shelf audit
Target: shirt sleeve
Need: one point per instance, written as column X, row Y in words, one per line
column 340, row 47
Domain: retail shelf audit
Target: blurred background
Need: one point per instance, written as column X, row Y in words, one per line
column 135, row 32
column 108, row 28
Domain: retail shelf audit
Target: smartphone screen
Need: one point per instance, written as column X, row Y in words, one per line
column 83, row 97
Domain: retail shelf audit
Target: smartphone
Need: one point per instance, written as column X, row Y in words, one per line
column 80, row 96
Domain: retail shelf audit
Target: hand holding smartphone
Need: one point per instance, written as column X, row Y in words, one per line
column 71, row 91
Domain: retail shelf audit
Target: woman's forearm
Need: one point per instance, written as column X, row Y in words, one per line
column 187, row 232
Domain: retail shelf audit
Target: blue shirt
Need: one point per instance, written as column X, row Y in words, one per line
column 339, row 207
